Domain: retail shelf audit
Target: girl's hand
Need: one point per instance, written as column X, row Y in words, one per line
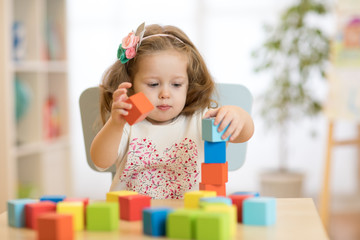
column 119, row 107
column 238, row 119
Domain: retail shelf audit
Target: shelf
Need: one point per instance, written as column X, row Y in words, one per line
column 40, row 66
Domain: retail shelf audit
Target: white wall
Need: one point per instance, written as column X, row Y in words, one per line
column 225, row 32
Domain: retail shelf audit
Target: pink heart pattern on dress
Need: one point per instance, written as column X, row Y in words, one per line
column 166, row 175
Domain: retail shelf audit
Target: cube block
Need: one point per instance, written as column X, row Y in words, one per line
column 16, row 211
column 34, row 210
column 154, row 221
column 212, row 226
column 114, row 195
column 141, row 106
column 192, row 198
column 132, row 206
column 184, row 218
column 102, row 216
column 252, row 193
column 55, row 226
column 220, row 189
column 260, row 211
column 214, row 173
column 210, row 131
column 53, row 198
column 76, row 209
column 215, row 152
column 238, row 200
column 215, row 200
column 229, row 210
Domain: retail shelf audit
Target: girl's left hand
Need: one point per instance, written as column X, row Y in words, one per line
column 225, row 115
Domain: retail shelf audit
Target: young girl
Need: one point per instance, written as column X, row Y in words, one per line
column 161, row 155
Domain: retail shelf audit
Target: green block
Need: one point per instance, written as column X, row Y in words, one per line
column 102, row 216
column 212, row 226
column 181, row 224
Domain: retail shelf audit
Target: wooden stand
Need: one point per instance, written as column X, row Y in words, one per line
column 324, row 204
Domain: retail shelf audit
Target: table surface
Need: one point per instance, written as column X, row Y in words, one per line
column 297, row 218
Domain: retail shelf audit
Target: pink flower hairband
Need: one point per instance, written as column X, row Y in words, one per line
column 130, row 44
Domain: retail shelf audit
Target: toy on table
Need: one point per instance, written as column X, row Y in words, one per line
column 102, row 216
column 33, row 210
column 55, row 226
column 141, row 107
column 75, row 209
column 132, row 206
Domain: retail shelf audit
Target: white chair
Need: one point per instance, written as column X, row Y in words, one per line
column 227, row 94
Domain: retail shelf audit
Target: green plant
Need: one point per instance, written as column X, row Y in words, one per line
column 296, row 52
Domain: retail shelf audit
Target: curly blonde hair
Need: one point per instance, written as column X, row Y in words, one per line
column 201, row 85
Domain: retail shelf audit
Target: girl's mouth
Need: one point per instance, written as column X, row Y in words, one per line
column 163, row 107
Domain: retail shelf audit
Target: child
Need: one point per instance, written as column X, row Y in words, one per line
column 161, row 155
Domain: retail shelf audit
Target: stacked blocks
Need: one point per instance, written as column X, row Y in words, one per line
column 76, row 209
column 154, row 221
column 16, row 212
column 184, row 218
column 132, row 206
column 214, row 170
column 191, row 199
column 141, row 106
column 260, row 211
column 102, row 216
column 55, row 226
column 33, row 210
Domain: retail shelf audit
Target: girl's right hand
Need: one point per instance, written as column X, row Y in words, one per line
column 119, row 107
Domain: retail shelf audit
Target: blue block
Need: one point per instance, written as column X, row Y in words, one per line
column 252, row 193
column 53, row 198
column 16, row 211
column 259, row 211
column 154, row 221
column 215, row 152
column 224, row 200
column 210, row 132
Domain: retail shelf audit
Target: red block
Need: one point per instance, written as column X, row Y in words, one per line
column 141, row 106
column 219, row 189
column 214, row 173
column 131, row 206
column 34, row 210
column 238, row 201
column 55, row 226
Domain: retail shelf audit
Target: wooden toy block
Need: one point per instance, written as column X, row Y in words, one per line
column 132, row 206
column 34, row 210
column 260, row 211
column 215, row 152
column 212, row 226
column 191, row 199
column 210, row 131
column 220, row 189
column 238, row 200
column 53, row 198
column 16, row 211
column 214, row 173
column 76, row 209
column 114, row 196
column 102, row 216
column 84, row 201
column 214, row 200
column 55, row 226
column 229, row 210
column 141, row 107
column 184, row 218
column 154, row 221
column 252, row 193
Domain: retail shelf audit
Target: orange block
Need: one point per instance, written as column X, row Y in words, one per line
column 219, row 189
column 214, row 173
column 141, row 107
column 55, row 226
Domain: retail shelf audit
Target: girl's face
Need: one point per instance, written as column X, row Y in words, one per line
column 163, row 78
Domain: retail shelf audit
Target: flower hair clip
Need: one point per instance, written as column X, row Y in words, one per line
column 130, row 43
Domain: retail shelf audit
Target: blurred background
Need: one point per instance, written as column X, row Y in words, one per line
column 299, row 59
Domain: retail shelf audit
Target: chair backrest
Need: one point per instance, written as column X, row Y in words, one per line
column 227, row 94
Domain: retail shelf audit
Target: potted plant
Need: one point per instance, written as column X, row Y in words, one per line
column 296, row 53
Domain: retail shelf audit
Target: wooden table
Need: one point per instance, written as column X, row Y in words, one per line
column 297, row 218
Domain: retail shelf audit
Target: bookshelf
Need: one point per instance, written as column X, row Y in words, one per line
column 35, row 146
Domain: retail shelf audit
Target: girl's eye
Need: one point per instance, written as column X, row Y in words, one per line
column 177, row 84
column 153, row 84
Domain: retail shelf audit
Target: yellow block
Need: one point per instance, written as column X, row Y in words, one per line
column 114, row 196
column 74, row 208
column 191, row 199
column 230, row 210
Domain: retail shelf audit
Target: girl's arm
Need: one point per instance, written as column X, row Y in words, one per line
column 104, row 148
column 241, row 126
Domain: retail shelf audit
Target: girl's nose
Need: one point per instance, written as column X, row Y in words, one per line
column 164, row 93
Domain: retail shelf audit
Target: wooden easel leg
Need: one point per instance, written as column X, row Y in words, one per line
column 325, row 194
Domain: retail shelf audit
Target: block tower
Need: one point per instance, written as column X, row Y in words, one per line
column 214, row 170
